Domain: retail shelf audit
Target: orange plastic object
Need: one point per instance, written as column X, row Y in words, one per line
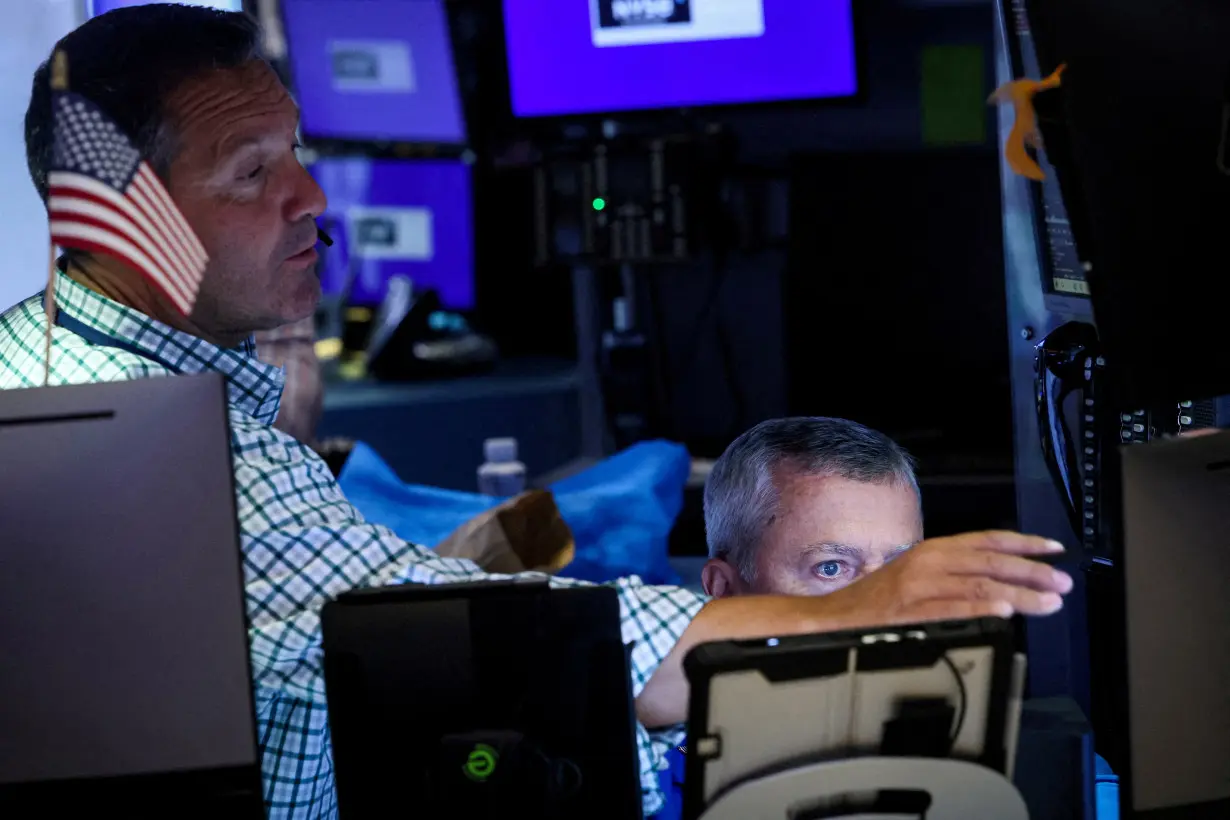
column 1025, row 130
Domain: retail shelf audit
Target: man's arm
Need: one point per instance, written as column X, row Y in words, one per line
column 967, row 576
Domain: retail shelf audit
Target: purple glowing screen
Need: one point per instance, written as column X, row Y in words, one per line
column 93, row 8
column 594, row 56
column 411, row 218
column 374, row 70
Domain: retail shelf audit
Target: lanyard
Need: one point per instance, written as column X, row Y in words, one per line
column 97, row 337
column 235, row 395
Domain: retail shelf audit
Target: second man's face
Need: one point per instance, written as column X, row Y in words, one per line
column 831, row 531
column 828, row 532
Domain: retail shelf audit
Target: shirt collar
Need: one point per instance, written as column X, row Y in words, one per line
column 252, row 386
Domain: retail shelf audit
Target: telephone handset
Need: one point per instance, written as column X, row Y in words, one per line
column 1068, row 359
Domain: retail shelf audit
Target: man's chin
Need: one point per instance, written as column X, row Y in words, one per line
column 301, row 304
column 307, row 294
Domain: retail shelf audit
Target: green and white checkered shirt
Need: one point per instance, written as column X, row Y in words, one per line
column 302, row 541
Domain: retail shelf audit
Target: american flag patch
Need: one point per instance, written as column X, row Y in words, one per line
column 103, row 197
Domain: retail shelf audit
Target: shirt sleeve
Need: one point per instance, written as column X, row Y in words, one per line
column 304, row 543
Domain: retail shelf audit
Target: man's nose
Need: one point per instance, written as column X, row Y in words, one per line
column 307, row 199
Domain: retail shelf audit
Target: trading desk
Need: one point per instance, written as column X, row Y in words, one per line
column 432, row 432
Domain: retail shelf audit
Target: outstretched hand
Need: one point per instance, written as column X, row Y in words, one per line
column 979, row 574
column 964, row 576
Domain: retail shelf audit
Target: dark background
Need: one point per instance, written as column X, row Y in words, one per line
column 864, row 278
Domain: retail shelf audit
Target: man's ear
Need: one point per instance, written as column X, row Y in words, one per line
column 719, row 579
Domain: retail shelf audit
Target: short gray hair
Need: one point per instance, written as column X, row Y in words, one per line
column 741, row 492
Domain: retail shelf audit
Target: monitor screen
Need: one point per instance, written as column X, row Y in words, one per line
column 411, row 218
column 96, row 7
column 597, row 56
column 374, row 70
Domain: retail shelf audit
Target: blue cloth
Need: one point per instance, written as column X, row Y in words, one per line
column 1106, row 791
column 671, row 780
column 620, row 511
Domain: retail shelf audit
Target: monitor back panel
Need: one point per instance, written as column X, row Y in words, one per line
column 1176, row 499
column 494, row 657
column 124, row 635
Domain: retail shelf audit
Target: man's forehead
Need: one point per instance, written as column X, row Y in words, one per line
column 254, row 132
column 240, row 103
column 852, row 550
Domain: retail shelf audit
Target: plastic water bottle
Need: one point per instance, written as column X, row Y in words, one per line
column 501, row 474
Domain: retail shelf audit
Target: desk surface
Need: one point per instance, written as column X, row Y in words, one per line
column 517, row 377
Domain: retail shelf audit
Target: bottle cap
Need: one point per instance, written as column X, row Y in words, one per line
column 500, row 450
column 621, row 321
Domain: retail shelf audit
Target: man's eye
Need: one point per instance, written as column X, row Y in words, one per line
column 829, row 569
column 256, row 172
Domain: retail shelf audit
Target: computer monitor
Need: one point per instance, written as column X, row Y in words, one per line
column 531, row 709
column 375, row 70
column 95, row 7
column 410, row 218
column 1139, row 137
column 1175, row 565
column 125, row 682
column 601, row 56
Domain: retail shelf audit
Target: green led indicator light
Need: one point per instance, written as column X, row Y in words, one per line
column 481, row 763
column 599, row 203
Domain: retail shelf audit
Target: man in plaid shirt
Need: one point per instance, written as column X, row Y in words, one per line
column 190, row 86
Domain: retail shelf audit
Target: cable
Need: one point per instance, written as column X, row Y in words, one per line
column 711, row 319
column 730, row 370
column 664, row 422
column 710, row 305
column 956, row 732
column 722, row 227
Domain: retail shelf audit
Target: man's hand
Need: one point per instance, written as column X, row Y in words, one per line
column 965, row 576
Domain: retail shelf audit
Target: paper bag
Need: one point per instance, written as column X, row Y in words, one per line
column 525, row 533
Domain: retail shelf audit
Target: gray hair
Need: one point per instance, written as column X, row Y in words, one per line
column 741, row 492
